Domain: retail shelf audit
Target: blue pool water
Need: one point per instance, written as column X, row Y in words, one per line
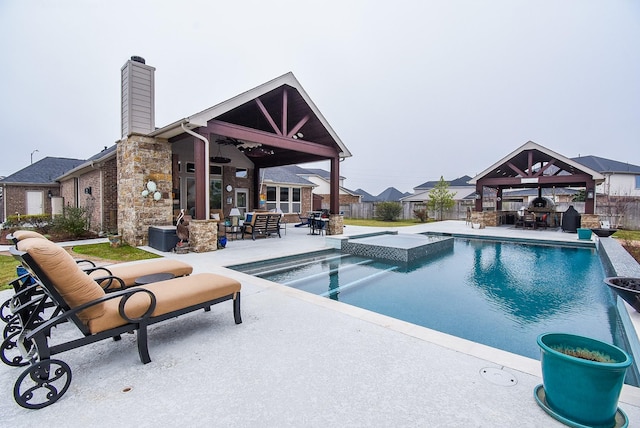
column 500, row 294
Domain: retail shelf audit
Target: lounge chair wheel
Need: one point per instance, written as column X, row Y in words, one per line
column 44, row 383
column 5, row 310
column 10, row 352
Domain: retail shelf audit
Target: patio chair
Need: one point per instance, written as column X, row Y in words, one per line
column 542, row 222
column 97, row 315
column 304, row 221
column 529, row 221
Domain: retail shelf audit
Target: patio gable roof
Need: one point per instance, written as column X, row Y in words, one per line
column 278, row 116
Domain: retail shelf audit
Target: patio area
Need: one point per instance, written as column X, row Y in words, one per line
column 297, row 360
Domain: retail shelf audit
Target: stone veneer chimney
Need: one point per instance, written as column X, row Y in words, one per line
column 138, row 99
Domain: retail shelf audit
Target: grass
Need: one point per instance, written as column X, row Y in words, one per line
column 379, row 223
column 627, row 235
column 7, row 271
column 124, row 253
column 103, row 251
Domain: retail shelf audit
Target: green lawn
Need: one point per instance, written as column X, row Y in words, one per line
column 7, row 270
column 379, row 223
column 124, row 253
column 103, row 251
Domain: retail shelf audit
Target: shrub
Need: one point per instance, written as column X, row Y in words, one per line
column 39, row 222
column 388, row 211
column 73, row 222
column 421, row 214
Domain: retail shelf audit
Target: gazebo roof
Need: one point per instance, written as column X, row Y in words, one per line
column 532, row 165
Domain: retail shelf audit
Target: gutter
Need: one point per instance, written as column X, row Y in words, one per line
column 206, row 169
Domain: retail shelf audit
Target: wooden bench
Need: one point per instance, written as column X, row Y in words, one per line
column 263, row 224
column 78, row 299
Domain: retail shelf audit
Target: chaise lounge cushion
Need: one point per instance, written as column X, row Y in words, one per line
column 75, row 287
column 171, row 295
column 24, row 234
column 128, row 272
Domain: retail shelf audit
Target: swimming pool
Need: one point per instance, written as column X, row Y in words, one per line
column 501, row 294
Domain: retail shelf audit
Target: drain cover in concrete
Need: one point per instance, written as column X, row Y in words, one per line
column 498, row 376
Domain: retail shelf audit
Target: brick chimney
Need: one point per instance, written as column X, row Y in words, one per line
column 138, row 99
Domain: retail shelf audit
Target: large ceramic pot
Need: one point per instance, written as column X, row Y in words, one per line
column 627, row 288
column 582, row 380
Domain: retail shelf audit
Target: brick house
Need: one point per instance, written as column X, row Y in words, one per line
column 34, row 189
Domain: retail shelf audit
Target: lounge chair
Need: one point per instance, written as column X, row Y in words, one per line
column 97, row 315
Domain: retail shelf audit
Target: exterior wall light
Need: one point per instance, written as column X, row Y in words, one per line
column 590, row 194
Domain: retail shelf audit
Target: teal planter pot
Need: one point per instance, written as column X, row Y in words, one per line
column 584, row 233
column 579, row 391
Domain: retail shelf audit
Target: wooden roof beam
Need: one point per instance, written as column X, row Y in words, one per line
column 254, row 135
column 267, row 116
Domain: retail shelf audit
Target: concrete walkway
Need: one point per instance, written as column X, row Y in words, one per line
column 296, row 360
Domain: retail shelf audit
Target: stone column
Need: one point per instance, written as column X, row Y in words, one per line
column 336, row 224
column 141, row 159
column 590, row 221
column 203, row 235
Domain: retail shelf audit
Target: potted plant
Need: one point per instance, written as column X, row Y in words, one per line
column 627, row 288
column 582, row 380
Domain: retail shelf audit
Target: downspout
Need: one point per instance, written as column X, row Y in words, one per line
column 206, row 169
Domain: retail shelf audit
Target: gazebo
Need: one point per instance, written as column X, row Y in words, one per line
column 534, row 166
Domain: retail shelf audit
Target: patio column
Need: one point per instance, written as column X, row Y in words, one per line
column 140, row 160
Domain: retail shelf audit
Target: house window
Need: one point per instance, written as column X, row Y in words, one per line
column 241, row 173
column 637, row 181
column 287, row 199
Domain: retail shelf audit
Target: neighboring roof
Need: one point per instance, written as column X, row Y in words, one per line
column 286, row 175
column 460, row 193
column 366, row 197
column 103, row 155
column 391, row 194
column 458, row 182
column 519, row 158
column 44, row 171
column 202, row 118
column 604, row 166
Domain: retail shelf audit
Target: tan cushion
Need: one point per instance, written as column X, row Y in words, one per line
column 171, row 295
column 75, row 286
column 24, row 234
column 128, row 272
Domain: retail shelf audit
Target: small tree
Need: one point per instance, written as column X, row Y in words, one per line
column 388, row 211
column 440, row 199
column 73, row 222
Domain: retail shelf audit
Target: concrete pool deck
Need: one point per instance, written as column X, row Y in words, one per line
column 297, row 360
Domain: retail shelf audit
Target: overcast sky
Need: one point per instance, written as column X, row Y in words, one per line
column 415, row 89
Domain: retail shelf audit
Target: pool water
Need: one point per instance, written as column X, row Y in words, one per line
column 500, row 294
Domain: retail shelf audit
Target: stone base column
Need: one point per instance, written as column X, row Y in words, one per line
column 336, row 224
column 590, row 221
column 203, row 235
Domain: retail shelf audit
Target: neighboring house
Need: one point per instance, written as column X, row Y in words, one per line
column 463, row 195
column 34, row 189
column 322, row 179
column 294, row 189
column 93, row 186
column 391, row 194
column 365, row 196
column 287, row 191
column 620, row 178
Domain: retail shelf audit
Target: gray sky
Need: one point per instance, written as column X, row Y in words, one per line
column 415, row 89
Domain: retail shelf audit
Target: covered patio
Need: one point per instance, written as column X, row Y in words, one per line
column 212, row 161
column 533, row 166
